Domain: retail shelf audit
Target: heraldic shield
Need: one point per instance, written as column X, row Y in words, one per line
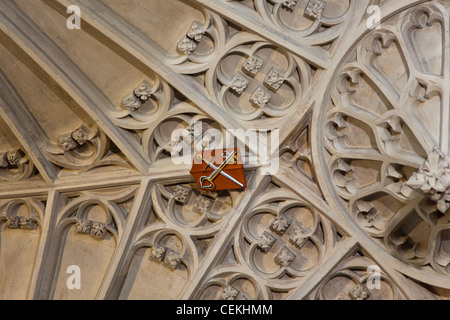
column 216, row 170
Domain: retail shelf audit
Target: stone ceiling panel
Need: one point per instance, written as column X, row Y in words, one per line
column 93, row 119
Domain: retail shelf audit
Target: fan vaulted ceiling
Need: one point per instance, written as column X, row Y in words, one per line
column 86, row 177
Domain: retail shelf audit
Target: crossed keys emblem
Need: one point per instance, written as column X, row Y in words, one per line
column 208, row 182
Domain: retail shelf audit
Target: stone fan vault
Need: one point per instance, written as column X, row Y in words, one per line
column 86, row 177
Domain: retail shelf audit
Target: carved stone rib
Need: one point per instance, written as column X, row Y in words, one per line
column 25, row 127
column 28, row 36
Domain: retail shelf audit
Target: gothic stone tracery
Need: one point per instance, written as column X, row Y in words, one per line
column 359, row 209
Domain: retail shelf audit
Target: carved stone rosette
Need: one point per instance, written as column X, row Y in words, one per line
column 302, row 19
column 257, row 82
column 281, row 241
column 25, row 214
column 97, row 138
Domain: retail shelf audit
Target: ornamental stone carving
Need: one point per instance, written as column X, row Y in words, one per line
column 239, row 83
column 433, row 179
column 195, row 34
column 386, row 137
column 263, row 82
column 20, row 223
column 21, row 214
column 351, row 280
column 253, row 65
column 290, row 4
column 97, row 229
column 96, row 136
column 281, row 224
column 261, row 97
column 166, row 256
column 314, row 8
column 157, row 253
column 359, row 292
column 229, row 293
column 285, row 257
column 15, row 165
column 266, row 241
column 140, row 95
column 77, row 138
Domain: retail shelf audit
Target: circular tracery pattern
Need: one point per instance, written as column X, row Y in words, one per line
column 263, row 81
column 386, row 115
column 285, row 238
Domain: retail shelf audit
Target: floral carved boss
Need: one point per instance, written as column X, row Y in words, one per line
column 385, row 132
